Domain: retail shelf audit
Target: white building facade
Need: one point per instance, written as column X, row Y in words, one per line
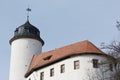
column 79, row 67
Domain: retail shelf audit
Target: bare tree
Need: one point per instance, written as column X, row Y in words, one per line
column 113, row 49
column 104, row 72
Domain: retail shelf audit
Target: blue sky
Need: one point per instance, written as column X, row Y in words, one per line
column 61, row 22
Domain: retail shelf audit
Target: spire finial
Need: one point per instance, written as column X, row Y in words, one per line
column 28, row 10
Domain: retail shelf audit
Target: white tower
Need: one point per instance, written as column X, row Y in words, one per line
column 25, row 43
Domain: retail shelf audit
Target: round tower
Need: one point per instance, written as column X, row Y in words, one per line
column 25, row 43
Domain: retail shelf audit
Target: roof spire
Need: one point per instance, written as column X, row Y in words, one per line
column 28, row 10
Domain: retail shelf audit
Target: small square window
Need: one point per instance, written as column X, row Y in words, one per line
column 52, row 72
column 62, row 69
column 76, row 64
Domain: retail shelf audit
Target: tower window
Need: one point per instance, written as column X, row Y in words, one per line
column 95, row 63
column 51, row 72
column 42, row 76
column 62, row 68
column 26, row 29
column 76, row 64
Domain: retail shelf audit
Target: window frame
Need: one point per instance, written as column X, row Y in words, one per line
column 95, row 63
column 62, row 68
column 76, row 64
column 42, row 76
column 51, row 72
column 111, row 67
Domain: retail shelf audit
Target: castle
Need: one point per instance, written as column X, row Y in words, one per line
column 77, row 61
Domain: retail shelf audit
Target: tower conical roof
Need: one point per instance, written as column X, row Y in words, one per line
column 27, row 30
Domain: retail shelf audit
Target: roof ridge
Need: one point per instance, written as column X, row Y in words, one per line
column 67, row 45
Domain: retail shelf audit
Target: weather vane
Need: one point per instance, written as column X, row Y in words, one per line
column 28, row 10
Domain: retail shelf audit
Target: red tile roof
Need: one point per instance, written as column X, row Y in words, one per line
column 43, row 59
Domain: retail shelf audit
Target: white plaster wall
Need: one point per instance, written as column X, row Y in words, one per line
column 86, row 69
column 22, row 51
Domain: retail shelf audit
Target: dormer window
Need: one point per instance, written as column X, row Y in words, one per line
column 95, row 63
column 26, row 29
column 48, row 57
column 16, row 31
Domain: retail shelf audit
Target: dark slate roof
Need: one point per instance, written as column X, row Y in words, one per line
column 27, row 30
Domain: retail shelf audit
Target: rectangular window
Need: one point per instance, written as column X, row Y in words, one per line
column 111, row 67
column 51, row 72
column 76, row 64
column 42, row 76
column 62, row 69
column 95, row 63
